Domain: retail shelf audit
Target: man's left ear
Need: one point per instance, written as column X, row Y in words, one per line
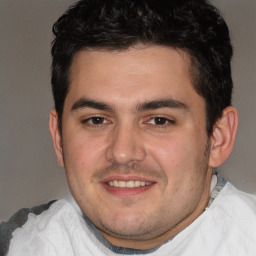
column 223, row 137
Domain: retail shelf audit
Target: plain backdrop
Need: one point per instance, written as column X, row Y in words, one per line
column 29, row 174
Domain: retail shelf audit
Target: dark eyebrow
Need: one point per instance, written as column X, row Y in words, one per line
column 162, row 103
column 150, row 105
column 86, row 103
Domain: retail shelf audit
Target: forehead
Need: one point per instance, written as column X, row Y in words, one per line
column 141, row 73
column 141, row 56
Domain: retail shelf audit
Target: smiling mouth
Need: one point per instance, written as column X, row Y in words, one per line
column 128, row 184
column 127, row 187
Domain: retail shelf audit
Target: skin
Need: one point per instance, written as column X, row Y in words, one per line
column 134, row 115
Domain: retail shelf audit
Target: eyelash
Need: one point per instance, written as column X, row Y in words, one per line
column 166, row 121
column 89, row 121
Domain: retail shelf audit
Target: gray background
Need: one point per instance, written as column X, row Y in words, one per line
column 29, row 174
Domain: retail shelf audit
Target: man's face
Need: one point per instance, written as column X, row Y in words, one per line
column 134, row 140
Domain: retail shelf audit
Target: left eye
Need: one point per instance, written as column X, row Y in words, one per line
column 97, row 120
column 160, row 121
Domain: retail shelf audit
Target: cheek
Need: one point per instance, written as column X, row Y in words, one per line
column 184, row 163
column 170, row 151
column 181, row 157
column 82, row 157
column 83, row 154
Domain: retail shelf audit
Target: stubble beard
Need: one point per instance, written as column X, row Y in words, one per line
column 140, row 227
column 148, row 227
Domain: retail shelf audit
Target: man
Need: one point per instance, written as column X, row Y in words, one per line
column 142, row 117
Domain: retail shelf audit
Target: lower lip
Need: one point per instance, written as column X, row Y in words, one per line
column 126, row 192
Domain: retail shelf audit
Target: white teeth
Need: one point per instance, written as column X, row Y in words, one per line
column 142, row 183
column 128, row 184
column 137, row 183
column 122, row 184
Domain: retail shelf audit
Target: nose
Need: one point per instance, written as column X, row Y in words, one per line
column 126, row 145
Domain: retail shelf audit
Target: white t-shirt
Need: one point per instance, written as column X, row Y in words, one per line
column 226, row 228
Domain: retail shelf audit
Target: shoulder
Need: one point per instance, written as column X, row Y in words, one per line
column 24, row 216
column 59, row 230
column 235, row 201
column 234, row 213
column 227, row 227
column 17, row 221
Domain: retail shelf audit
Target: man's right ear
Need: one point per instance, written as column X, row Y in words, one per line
column 56, row 137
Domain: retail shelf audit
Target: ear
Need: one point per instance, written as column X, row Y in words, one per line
column 56, row 137
column 223, row 137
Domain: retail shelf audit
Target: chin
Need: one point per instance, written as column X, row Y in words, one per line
column 133, row 226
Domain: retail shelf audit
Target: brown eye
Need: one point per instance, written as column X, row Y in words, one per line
column 96, row 120
column 160, row 120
